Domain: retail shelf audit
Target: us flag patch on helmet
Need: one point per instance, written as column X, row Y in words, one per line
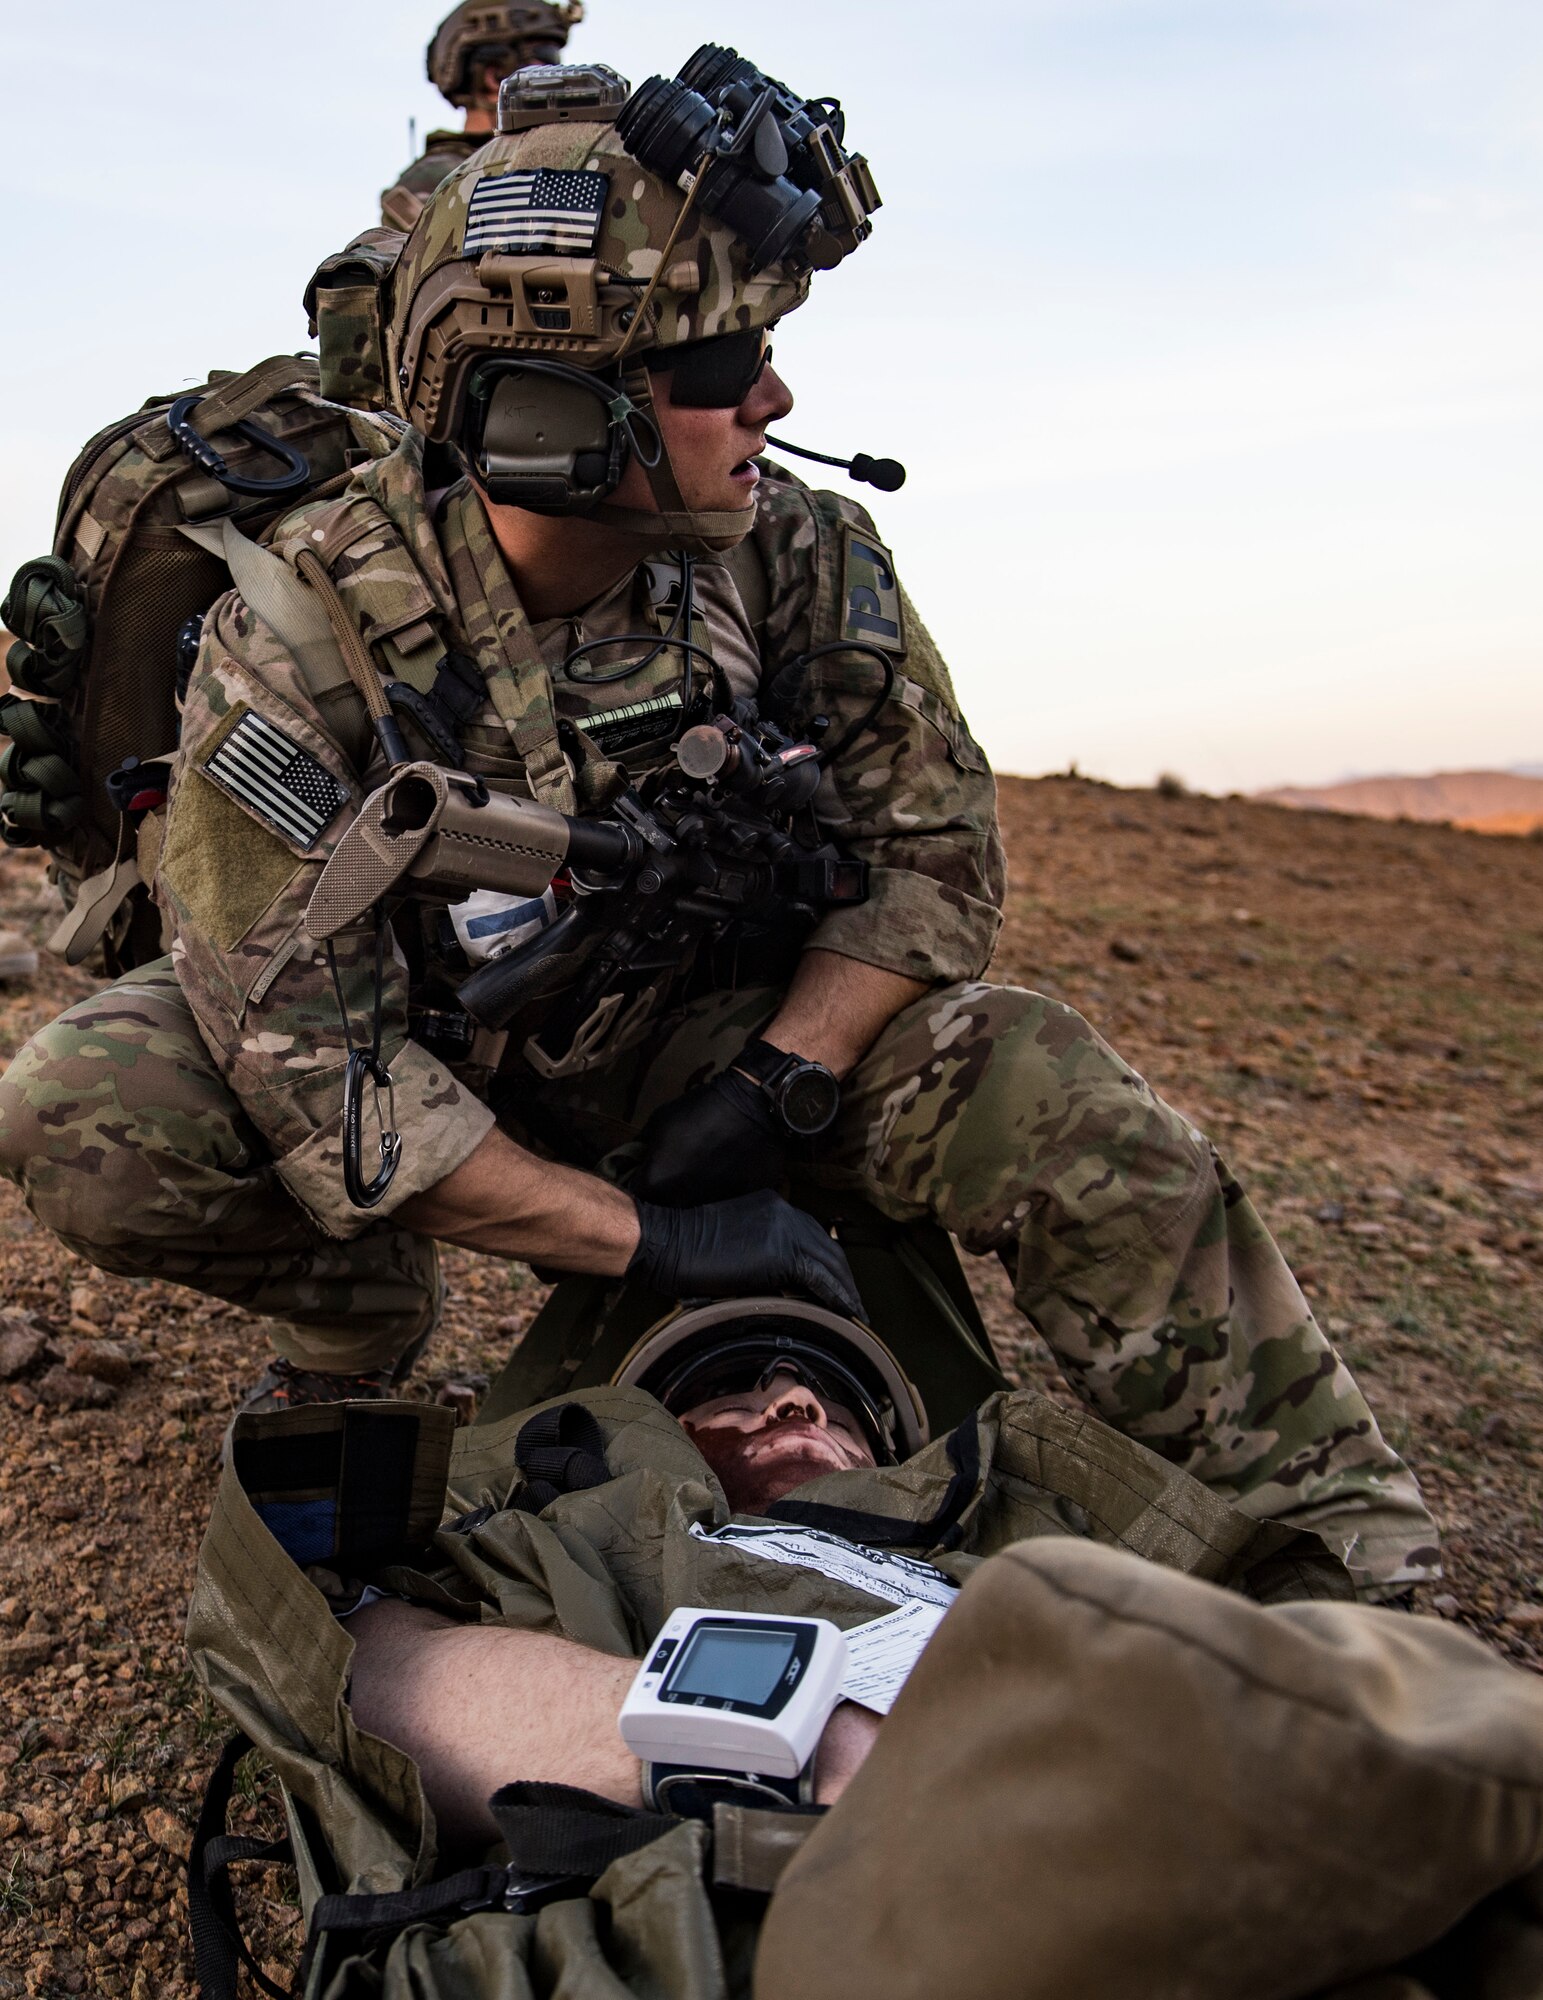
column 535, row 211
column 274, row 778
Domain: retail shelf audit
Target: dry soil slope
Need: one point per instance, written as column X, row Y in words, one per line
column 1348, row 1006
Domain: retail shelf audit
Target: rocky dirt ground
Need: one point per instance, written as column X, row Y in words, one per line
column 1349, row 1007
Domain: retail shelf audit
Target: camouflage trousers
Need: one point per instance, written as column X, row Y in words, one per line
column 999, row 1113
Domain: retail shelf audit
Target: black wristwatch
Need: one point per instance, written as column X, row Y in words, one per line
column 804, row 1095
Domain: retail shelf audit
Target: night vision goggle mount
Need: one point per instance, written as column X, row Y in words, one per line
column 770, row 165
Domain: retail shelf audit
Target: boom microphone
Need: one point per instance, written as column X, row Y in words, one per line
column 888, row 474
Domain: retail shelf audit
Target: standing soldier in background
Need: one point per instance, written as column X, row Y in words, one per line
column 474, row 48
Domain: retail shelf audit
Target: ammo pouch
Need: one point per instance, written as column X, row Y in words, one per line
column 343, row 302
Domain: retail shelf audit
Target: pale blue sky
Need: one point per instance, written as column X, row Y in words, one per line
column 1210, row 332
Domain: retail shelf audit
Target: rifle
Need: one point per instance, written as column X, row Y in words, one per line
column 685, row 855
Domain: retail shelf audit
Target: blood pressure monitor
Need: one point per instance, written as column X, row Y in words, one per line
column 733, row 1692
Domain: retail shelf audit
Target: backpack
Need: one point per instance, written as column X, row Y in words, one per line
column 107, row 625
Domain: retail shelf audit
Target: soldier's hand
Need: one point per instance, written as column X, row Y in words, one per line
column 730, row 1249
column 719, row 1140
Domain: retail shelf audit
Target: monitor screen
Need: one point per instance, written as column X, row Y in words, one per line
column 737, row 1662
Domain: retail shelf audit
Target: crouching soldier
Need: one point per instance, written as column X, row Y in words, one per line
column 605, row 809
column 715, row 1681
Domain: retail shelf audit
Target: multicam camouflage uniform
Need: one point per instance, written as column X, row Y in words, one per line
column 187, row 1122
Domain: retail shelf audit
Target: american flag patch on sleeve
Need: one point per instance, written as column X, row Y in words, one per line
column 275, row 779
column 535, row 211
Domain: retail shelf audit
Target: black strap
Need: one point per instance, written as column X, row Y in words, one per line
column 460, row 687
column 473, row 1889
column 219, row 1950
column 561, row 1450
column 941, row 1530
column 559, row 1830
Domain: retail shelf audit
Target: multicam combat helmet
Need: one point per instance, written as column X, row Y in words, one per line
column 477, row 36
column 552, row 269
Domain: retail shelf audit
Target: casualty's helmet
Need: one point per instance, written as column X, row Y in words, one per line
column 477, row 36
column 699, row 1352
column 599, row 235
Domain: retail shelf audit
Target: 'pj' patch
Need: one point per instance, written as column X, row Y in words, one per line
column 535, row 211
column 274, row 778
column 870, row 594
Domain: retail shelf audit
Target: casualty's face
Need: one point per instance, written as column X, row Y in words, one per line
column 763, row 1442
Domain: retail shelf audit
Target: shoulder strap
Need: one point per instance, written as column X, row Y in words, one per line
column 747, row 570
column 285, row 604
column 519, row 681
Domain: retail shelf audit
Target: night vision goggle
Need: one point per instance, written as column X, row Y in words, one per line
column 769, row 164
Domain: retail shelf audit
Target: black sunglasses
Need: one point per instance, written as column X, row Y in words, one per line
column 716, row 374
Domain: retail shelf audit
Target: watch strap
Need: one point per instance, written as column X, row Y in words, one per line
column 764, row 1064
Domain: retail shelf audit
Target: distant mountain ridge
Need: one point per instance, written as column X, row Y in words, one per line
column 1483, row 801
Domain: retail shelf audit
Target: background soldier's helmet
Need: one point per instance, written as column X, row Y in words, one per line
column 553, row 265
column 478, row 35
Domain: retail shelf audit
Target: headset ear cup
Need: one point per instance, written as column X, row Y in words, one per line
column 544, row 436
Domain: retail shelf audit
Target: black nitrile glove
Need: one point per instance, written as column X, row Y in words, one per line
column 721, row 1139
column 732, row 1249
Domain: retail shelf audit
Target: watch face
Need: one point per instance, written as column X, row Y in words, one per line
column 809, row 1100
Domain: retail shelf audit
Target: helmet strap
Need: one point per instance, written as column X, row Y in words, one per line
column 674, row 525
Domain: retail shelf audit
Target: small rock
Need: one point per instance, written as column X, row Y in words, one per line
column 87, row 1303
column 1127, row 953
column 36, row 1622
column 63, row 1390
column 127, row 1792
column 1446, row 1605
column 42, row 1821
column 12, row 1611
column 170, row 1431
column 1493, row 1430
column 102, row 1360
column 1330, row 1211
column 168, row 1832
column 132, row 1451
column 1248, row 958
column 62, row 1509
column 1524, row 1615
column 10, row 1825
column 21, row 1346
